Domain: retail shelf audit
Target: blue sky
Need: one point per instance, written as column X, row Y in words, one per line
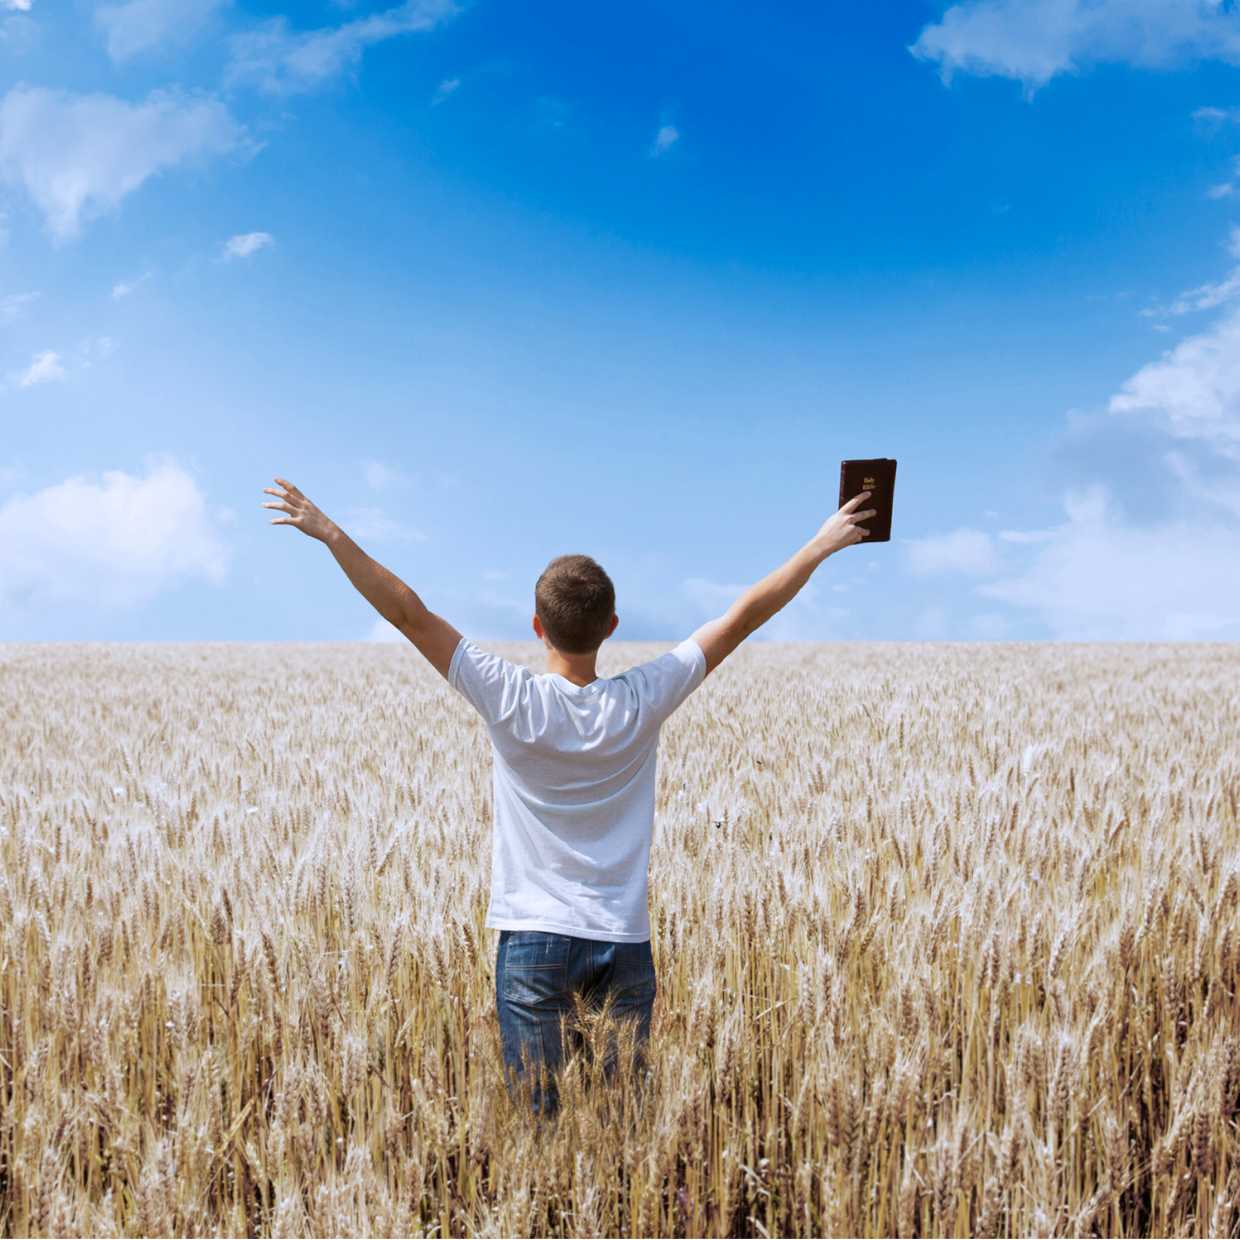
column 495, row 282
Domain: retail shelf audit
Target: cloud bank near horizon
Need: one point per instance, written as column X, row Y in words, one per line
column 112, row 545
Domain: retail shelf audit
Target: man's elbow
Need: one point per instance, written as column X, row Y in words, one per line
column 412, row 627
column 412, row 618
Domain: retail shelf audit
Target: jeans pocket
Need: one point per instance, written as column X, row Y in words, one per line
column 535, row 968
column 634, row 979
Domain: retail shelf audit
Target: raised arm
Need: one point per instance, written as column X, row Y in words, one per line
column 384, row 591
column 718, row 638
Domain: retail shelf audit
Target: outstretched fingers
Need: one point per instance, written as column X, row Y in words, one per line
column 284, row 494
column 851, row 505
column 298, row 511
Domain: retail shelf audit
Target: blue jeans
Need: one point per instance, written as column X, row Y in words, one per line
column 538, row 977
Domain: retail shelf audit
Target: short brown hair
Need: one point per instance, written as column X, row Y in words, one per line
column 575, row 601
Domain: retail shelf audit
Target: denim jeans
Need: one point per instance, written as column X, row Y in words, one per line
column 538, row 977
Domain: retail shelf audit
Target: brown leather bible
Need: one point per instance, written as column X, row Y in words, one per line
column 879, row 478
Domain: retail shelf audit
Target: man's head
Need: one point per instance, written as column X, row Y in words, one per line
column 575, row 603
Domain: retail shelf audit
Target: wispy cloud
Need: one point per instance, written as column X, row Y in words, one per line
column 13, row 304
column 285, row 61
column 101, row 347
column 1193, row 391
column 374, row 524
column 78, row 155
column 1034, row 40
column 245, row 245
column 1101, row 577
column 123, row 288
column 1205, row 296
column 18, row 6
column 1214, row 118
column 447, row 87
column 143, row 25
column 112, row 543
column 967, row 551
column 665, row 139
column 1150, row 547
column 380, row 476
column 45, row 368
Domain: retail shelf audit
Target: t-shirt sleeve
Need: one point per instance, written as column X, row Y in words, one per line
column 665, row 682
column 491, row 685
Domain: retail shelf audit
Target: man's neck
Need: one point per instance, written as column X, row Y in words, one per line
column 578, row 669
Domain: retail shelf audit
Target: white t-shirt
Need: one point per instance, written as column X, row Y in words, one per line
column 574, row 789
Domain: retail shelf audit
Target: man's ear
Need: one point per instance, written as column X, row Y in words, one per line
column 611, row 628
column 539, row 632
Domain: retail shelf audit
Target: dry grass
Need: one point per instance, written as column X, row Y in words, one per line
column 947, row 944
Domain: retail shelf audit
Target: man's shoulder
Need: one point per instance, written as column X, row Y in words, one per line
column 679, row 670
column 687, row 656
column 479, row 673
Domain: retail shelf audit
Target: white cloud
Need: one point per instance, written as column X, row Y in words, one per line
column 285, row 61
column 665, row 139
column 11, row 305
column 20, row 6
column 123, row 288
column 380, row 476
column 1193, row 391
column 962, row 551
column 79, row 155
column 1100, row 577
column 1210, row 121
column 244, row 245
column 372, row 523
column 111, row 544
column 383, row 631
column 446, row 88
column 1209, row 296
column 139, row 25
column 1151, row 545
column 1034, row 40
column 1213, row 118
column 44, row 368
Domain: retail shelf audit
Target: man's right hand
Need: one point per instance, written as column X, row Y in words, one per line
column 384, row 591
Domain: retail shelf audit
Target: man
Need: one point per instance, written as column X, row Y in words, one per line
column 574, row 760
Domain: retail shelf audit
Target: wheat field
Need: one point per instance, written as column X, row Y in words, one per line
column 946, row 936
